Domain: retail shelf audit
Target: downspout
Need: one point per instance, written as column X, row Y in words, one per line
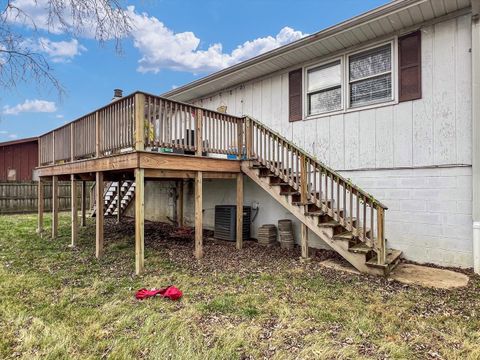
column 476, row 133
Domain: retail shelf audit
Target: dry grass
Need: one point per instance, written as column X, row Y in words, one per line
column 58, row 302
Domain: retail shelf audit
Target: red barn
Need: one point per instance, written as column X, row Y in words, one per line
column 18, row 159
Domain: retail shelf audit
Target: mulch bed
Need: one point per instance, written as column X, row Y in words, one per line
column 219, row 255
column 222, row 256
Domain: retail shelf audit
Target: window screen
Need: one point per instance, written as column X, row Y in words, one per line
column 371, row 76
column 324, row 89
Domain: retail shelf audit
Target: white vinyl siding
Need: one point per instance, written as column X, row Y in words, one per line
column 324, row 88
column 370, row 76
column 432, row 131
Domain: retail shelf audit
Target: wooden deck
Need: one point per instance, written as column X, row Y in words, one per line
column 142, row 136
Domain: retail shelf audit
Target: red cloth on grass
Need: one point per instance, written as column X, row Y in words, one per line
column 170, row 292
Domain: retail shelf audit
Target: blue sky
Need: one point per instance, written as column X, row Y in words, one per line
column 174, row 42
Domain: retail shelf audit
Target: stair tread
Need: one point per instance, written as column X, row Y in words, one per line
column 361, row 248
column 331, row 223
column 347, row 235
column 314, row 213
column 392, row 256
column 293, row 192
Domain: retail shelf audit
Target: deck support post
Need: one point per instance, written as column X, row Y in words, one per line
column 100, row 212
column 304, row 243
column 179, row 186
column 239, row 211
column 198, row 215
column 74, row 206
column 139, row 220
column 40, row 205
column 119, row 200
column 83, row 204
column 55, row 206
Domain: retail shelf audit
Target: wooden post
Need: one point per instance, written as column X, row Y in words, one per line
column 72, row 141
column 304, row 240
column 198, row 132
column 139, row 122
column 40, row 205
column 248, row 137
column 74, row 205
column 240, row 122
column 83, row 219
column 53, row 147
column 119, row 200
column 303, row 179
column 100, row 202
column 239, row 211
column 97, row 134
column 381, row 254
column 139, row 219
column 55, row 206
column 180, row 203
column 198, row 215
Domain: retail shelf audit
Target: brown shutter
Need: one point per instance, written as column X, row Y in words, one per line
column 295, row 95
column 410, row 67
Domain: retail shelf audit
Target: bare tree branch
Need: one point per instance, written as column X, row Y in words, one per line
column 103, row 20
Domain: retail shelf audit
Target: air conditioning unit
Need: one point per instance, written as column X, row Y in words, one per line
column 226, row 222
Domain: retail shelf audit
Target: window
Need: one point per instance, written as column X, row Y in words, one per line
column 370, row 76
column 324, row 88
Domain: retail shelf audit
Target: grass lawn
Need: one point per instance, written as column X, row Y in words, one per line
column 57, row 302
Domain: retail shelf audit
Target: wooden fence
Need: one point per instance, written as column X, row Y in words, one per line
column 21, row 197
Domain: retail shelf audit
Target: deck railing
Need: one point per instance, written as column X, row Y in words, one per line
column 356, row 210
column 84, row 137
column 143, row 121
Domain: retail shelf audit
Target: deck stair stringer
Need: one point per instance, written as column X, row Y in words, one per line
column 358, row 254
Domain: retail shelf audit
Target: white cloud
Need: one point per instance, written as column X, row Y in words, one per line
column 60, row 51
column 59, row 116
column 34, row 14
column 161, row 48
column 12, row 136
column 30, row 106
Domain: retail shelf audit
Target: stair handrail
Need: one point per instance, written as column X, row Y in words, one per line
column 303, row 160
column 314, row 159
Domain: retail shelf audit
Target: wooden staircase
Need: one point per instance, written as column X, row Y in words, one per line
column 110, row 196
column 344, row 216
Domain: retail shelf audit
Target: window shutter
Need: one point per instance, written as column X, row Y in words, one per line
column 410, row 67
column 295, row 95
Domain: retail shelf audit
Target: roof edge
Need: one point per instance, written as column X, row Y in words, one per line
column 329, row 31
column 19, row 141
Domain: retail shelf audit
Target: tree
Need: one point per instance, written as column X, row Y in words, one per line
column 22, row 61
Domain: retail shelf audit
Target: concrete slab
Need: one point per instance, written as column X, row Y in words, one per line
column 335, row 264
column 428, row 277
column 411, row 274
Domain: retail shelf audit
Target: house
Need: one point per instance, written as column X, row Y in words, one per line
column 384, row 98
column 18, row 191
column 18, row 159
column 363, row 132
